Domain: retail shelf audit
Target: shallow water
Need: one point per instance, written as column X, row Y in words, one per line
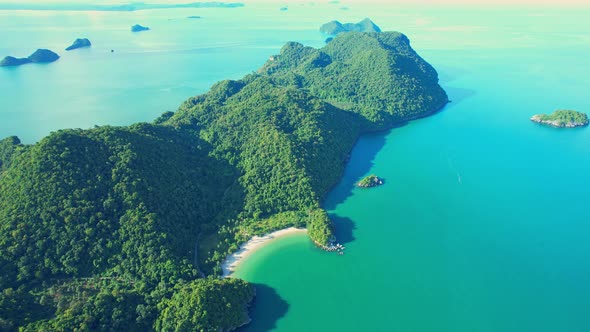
column 482, row 224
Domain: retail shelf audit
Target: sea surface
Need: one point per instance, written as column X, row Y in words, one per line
column 483, row 223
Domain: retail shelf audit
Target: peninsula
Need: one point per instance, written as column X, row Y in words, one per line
column 79, row 43
column 562, row 119
column 126, row 227
column 39, row 56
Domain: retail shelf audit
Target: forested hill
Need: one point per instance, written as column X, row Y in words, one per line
column 98, row 227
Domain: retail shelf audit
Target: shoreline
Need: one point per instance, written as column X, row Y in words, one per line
column 232, row 261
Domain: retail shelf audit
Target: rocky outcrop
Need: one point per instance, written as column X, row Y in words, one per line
column 370, row 181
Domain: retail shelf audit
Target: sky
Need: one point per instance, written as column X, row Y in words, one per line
column 366, row 2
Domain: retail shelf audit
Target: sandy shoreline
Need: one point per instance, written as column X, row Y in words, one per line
column 232, row 261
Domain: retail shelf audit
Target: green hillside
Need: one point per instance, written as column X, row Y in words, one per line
column 116, row 227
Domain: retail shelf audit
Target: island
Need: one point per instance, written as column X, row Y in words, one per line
column 39, row 56
column 283, row 9
column 79, row 43
column 138, row 28
column 43, row 56
column 334, row 28
column 125, row 227
column 193, row 17
column 370, row 181
column 562, row 119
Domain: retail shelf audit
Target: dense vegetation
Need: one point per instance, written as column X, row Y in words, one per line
column 196, row 306
column 8, row 147
column 114, row 228
column 564, row 118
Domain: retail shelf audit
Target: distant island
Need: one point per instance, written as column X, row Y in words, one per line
column 370, row 181
column 130, row 7
column 284, row 9
column 138, row 28
column 562, row 119
column 194, row 17
column 40, row 56
column 125, row 227
column 11, row 61
column 333, row 28
column 79, row 43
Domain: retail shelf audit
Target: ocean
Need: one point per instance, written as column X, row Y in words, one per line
column 483, row 222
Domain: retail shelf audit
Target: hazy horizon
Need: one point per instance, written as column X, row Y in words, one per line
column 346, row 2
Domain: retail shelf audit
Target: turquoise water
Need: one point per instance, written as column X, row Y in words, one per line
column 149, row 72
column 483, row 222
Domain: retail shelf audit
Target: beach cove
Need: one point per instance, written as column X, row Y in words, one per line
column 233, row 261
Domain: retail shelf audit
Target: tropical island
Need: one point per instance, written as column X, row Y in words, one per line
column 138, row 28
column 562, row 119
column 125, row 228
column 370, row 181
column 79, row 43
column 39, row 56
column 334, row 28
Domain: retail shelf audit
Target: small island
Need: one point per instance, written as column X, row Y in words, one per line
column 138, row 28
column 40, row 56
column 193, row 17
column 43, row 56
column 562, row 119
column 79, row 43
column 370, row 181
column 333, row 28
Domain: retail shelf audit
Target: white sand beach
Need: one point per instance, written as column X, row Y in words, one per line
column 232, row 261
